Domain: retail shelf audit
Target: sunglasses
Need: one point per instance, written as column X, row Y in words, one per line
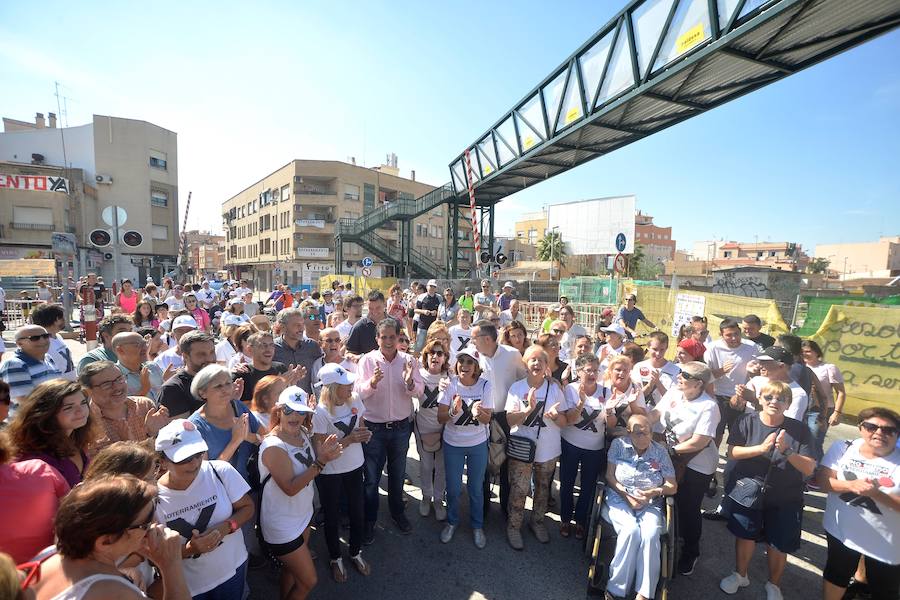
column 287, row 410
column 35, row 338
column 639, row 431
column 690, row 377
column 772, row 398
column 189, row 459
column 887, row 430
column 437, row 353
column 466, row 361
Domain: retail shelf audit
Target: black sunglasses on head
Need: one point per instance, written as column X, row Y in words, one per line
column 690, row 377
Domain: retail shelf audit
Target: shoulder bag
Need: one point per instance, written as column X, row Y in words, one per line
column 750, row 492
column 521, row 448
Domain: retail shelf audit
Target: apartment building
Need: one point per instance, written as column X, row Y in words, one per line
column 205, row 253
column 880, row 258
column 109, row 162
column 657, row 241
column 282, row 227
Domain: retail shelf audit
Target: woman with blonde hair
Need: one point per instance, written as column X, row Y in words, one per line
column 427, row 430
column 766, row 446
column 339, row 415
column 536, row 410
column 439, row 332
column 289, row 461
column 623, row 396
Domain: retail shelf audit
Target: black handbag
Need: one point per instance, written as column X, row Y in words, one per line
column 750, row 492
column 521, row 448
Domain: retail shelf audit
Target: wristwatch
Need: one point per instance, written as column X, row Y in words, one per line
column 787, row 452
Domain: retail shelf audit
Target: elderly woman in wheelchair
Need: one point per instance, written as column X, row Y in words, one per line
column 638, row 474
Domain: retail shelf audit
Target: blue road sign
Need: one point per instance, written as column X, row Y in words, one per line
column 367, row 261
column 620, row 242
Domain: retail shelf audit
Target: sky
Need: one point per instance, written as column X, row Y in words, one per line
column 813, row 158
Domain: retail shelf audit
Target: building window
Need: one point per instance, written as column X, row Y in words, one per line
column 728, row 254
column 285, row 193
column 773, row 253
column 159, row 198
column 158, row 160
column 351, row 192
column 368, row 198
column 160, row 232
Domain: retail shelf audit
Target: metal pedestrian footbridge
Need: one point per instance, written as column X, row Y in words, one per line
column 653, row 65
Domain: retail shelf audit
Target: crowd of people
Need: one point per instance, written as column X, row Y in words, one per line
column 205, row 433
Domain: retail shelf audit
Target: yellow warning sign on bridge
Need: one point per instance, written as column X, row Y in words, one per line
column 690, row 38
column 573, row 114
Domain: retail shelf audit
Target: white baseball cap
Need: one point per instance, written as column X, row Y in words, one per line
column 432, row 282
column 335, row 373
column 235, row 300
column 231, row 319
column 294, row 398
column 180, row 440
column 614, row 328
column 185, row 321
column 509, row 285
column 470, row 352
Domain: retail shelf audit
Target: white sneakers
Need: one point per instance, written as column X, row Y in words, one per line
column 425, row 506
column 734, row 582
column 773, row 592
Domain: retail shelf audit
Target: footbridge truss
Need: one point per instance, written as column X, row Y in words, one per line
column 654, row 64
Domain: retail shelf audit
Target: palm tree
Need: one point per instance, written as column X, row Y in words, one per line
column 551, row 248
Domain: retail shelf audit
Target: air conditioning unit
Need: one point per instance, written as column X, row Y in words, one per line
column 104, row 179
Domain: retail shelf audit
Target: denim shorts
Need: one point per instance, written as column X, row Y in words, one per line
column 778, row 526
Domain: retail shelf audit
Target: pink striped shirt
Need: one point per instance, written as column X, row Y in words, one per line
column 391, row 400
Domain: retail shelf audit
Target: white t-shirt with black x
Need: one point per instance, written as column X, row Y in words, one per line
column 207, row 502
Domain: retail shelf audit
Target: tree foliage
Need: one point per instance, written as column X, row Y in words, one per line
column 818, row 265
column 551, row 247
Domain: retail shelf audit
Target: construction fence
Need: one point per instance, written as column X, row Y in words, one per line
column 864, row 343
column 814, row 309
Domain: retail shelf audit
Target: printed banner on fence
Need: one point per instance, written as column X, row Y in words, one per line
column 864, row 343
column 687, row 306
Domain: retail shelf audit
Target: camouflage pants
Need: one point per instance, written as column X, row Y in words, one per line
column 520, row 474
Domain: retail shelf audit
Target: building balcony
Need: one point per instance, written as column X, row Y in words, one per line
column 31, row 226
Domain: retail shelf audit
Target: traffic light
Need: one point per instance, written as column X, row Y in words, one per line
column 132, row 239
column 100, row 238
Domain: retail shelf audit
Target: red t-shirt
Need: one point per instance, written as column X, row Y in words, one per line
column 29, row 494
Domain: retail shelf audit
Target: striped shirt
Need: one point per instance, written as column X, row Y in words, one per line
column 23, row 373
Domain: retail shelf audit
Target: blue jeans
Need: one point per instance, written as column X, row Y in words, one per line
column 592, row 462
column 391, row 445
column 475, row 459
column 817, row 431
column 233, row 589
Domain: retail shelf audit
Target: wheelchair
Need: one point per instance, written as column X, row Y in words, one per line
column 600, row 545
